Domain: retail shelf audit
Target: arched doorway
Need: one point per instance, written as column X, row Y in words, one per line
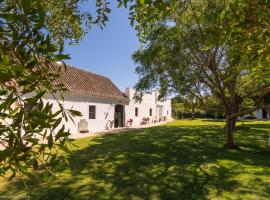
column 119, row 116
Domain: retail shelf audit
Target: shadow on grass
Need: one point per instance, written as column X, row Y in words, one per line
column 166, row 162
column 213, row 120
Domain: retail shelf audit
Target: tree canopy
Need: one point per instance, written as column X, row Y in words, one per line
column 25, row 77
column 200, row 52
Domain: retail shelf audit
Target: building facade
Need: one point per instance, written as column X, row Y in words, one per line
column 103, row 106
column 262, row 114
column 149, row 110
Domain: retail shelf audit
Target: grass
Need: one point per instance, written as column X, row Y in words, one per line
column 180, row 160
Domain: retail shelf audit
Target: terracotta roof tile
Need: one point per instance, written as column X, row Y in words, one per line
column 81, row 82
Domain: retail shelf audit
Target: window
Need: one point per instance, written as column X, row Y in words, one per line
column 92, row 112
column 150, row 112
column 136, row 112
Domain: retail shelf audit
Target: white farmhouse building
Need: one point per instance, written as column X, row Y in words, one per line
column 150, row 107
column 261, row 114
column 103, row 106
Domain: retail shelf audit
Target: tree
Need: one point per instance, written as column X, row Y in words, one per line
column 186, row 106
column 32, row 37
column 25, row 77
column 198, row 54
column 178, row 109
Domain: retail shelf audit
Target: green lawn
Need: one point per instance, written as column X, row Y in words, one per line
column 180, row 160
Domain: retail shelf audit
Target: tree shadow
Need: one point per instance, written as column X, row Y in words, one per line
column 166, row 162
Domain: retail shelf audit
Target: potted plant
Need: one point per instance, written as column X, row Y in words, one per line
column 130, row 121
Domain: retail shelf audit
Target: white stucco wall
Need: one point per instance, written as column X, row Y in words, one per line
column 148, row 101
column 259, row 114
column 104, row 112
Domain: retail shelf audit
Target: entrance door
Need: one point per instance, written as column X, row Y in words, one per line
column 119, row 116
column 264, row 114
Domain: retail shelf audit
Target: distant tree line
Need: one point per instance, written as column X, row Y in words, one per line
column 190, row 108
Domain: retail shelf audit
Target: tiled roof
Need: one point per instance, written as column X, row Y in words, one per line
column 84, row 83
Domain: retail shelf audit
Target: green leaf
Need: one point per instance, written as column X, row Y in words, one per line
column 3, row 92
column 57, row 122
column 5, row 77
column 141, row 2
column 75, row 113
column 61, row 134
column 50, row 140
column 5, row 60
column 40, row 94
column 35, row 164
column 17, row 68
column 56, row 113
column 65, row 149
column 62, row 57
column 31, row 64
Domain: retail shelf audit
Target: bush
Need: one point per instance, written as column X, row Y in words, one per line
column 249, row 117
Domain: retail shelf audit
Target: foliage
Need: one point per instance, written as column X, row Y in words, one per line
column 63, row 20
column 66, row 21
column 198, row 55
column 249, row 27
column 186, row 107
column 182, row 107
column 32, row 37
column 25, row 78
column 180, row 160
column 69, row 20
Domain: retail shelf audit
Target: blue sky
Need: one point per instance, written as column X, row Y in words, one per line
column 108, row 52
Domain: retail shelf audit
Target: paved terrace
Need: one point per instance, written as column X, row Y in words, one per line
column 117, row 130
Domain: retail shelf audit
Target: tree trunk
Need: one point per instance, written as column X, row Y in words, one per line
column 230, row 126
column 193, row 112
column 234, row 123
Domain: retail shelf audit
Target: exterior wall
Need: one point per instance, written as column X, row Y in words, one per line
column 259, row 114
column 148, row 101
column 104, row 112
